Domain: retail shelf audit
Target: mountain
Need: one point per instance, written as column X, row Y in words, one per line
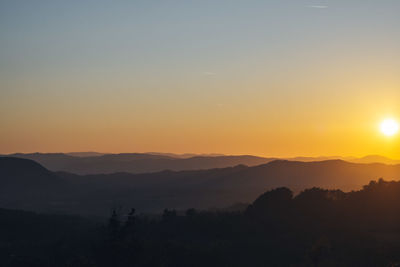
column 28, row 185
column 310, row 159
column 97, row 163
column 375, row 158
column 366, row 159
column 17, row 172
column 149, row 192
column 135, row 162
column 185, row 155
column 85, row 154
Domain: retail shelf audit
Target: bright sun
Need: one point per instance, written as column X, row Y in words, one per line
column 389, row 127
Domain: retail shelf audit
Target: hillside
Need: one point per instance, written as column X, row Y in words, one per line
column 148, row 192
column 97, row 163
column 135, row 162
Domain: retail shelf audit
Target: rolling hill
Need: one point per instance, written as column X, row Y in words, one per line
column 135, row 162
column 149, row 192
column 97, row 163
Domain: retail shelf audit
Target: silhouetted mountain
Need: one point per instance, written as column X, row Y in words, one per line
column 375, row 158
column 85, row 154
column 136, row 162
column 27, row 176
column 309, row 159
column 97, row 163
column 366, row 159
column 185, row 155
column 215, row 188
column 25, row 184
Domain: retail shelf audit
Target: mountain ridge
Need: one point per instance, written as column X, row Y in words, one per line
column 89, row 163
column 211, row 188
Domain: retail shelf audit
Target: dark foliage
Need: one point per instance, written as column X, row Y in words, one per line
column 317, row 227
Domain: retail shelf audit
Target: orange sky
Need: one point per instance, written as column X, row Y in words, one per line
column 273, row 79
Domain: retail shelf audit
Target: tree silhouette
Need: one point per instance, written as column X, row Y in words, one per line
column 114, row 225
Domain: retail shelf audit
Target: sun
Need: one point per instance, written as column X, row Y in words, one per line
column 389, row 127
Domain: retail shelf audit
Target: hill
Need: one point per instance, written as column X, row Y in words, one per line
column 97, row 163
column 135, row 162
column 317, row 227
column 25, row 184
column 150, row 192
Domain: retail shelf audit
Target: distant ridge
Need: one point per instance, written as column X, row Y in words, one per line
column 376, row 158
column 97, row 163
column 85, row 154
column 136, row 162
column 26, row 185
column 185, row 155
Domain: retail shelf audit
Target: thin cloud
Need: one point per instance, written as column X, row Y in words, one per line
column 209, row 73
column 318, row 6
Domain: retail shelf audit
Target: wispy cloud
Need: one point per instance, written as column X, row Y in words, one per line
column 209, row 73
column 318, row 6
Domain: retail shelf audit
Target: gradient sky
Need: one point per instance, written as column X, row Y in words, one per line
column 273, row 78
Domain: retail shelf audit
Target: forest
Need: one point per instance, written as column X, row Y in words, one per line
column 316, row 227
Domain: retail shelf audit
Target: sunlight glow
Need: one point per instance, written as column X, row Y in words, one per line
column 389, row 127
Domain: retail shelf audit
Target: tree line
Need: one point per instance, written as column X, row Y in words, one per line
column 317, row 227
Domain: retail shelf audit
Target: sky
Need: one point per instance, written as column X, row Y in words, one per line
column 271, row 78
